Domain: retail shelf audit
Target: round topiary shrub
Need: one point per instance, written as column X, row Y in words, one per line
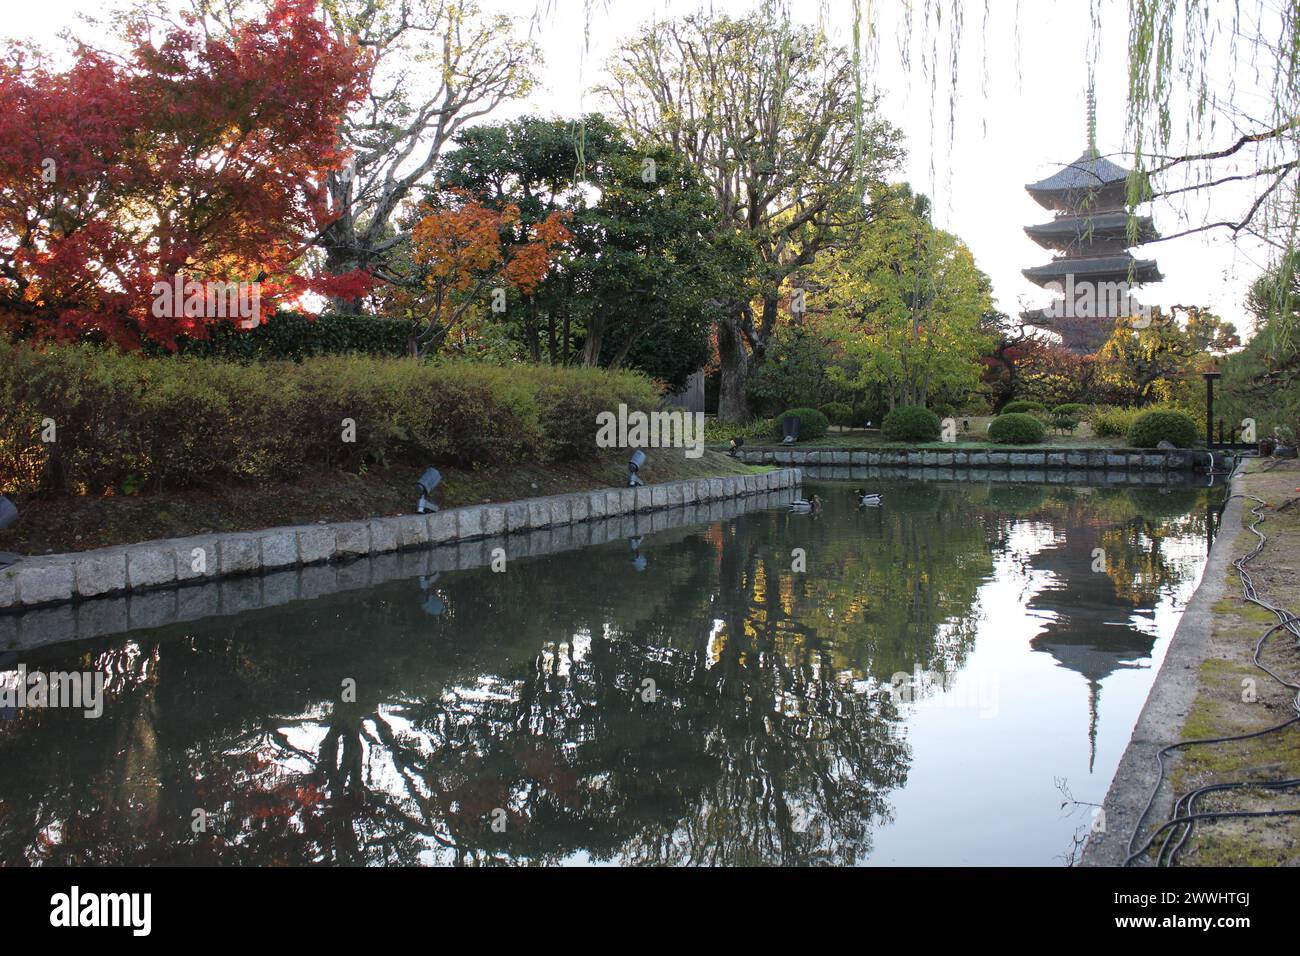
column 910, row 423
column 1016, row 428
column 812, row 423
column 1151, row 428
column 1112, row 422
column 1021, row 407
column 838, row 413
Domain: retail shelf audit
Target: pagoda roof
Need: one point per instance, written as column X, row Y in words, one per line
column 1089, row 171
column 1121, row 268
column 1099, row 226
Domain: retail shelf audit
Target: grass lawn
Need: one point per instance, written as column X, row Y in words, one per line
column 56, row 525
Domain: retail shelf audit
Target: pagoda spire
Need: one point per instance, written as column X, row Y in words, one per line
column 1092, row 118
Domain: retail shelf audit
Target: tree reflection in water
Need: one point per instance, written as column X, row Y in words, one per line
column 769, row 740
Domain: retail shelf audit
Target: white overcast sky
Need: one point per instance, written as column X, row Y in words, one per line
column 1019, row 114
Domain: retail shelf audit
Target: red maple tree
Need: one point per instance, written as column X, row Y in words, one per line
column 191, row 155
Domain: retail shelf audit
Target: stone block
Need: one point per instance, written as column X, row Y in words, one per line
column 239, row 553
column 494, row 520
column 100, row 572
column 441, row 527
column 469, row 523
column 383, row 535
column 42, row 582
column 316, row 544
column 197, row 557
column 279, row 548
column 351, row 538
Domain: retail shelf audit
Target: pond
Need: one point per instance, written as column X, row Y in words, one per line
column 950, row 678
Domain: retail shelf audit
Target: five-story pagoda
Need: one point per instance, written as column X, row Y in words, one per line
column 1093, row 273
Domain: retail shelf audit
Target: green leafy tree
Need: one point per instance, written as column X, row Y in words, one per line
column 1262, row 381
column 1155, row 361
column 795, row 375
column 771, row 115
column 907, row 305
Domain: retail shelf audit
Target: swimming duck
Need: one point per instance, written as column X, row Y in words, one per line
column 869, row 500
column 801, row 506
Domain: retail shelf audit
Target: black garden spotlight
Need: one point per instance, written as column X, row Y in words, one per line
column 790, row 429
column 8, row 515
column 428, row 481
column 633, row 466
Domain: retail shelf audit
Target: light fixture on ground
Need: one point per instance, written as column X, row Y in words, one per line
column 633, row 466
column 790, row 428
column 8, row 515
column 428, row 481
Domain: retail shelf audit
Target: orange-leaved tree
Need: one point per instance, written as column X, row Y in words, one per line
column 466, row 249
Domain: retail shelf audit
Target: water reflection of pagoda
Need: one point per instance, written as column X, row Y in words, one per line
column 1091, row 630
column 1091, row 234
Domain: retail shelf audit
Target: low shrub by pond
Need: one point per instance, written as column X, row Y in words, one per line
column 1113, row 422
column 910, row 423
column 1149, row 429
column 812, row 423
column 838, row 413
column 1016, row 428
column 1023, row 406
column 125, row 420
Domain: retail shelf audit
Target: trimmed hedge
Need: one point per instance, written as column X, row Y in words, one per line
column 838, row 413
column 720, row 433
column 812, row 423
column 1022, row 406
column 1151, row 428
column 1016, row 428
column 131, row 419
column 910, row 423
column 292, row 335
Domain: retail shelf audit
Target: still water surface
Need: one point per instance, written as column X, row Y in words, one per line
column 1029, row 620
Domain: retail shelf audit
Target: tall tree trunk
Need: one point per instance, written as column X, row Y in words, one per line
column 734, row 364
column 531, row 332
column 595, row 339
column 567, row 351
column 339, row 262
